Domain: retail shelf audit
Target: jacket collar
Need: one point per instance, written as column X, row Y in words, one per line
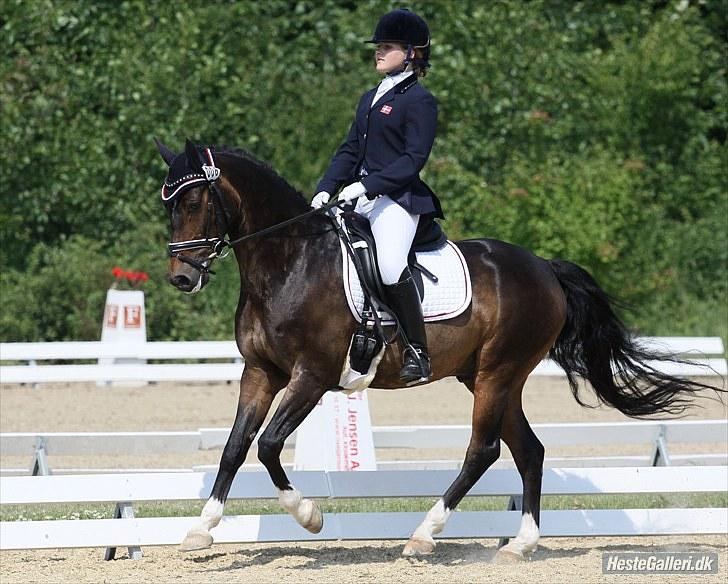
column 401, row 87
column 406, row 83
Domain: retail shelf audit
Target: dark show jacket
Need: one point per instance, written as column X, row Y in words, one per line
column 391, row 142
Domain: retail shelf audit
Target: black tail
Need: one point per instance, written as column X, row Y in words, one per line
column 596, row 345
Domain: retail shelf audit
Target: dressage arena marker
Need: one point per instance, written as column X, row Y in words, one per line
column 695, row 350
column 656, row 436
column 357, row 526
column 124, row 321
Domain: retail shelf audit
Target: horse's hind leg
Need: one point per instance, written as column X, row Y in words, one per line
column 528, row 455
column 302, row 394
column 257, row 389
column 484, row 449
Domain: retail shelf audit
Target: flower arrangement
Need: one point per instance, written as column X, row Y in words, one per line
column 131, row 279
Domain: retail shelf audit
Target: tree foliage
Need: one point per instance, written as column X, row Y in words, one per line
column 592, row 131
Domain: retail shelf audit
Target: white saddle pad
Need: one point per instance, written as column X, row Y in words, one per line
column 448, row 298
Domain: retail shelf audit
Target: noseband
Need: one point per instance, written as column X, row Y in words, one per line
column 219, row 246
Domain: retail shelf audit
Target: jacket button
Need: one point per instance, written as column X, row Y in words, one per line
column 365, row 134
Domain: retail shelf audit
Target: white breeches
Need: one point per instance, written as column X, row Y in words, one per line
column 393, row 229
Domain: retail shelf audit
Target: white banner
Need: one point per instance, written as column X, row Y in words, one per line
column 336, row 435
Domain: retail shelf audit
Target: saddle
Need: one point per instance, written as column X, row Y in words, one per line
column 428, row 237
column 367, row 344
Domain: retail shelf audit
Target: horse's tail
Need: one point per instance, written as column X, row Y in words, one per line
column 596, row 345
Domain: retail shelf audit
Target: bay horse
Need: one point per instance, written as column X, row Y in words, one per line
column 293, row 327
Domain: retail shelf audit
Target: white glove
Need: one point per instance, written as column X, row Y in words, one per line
column 353, row 191
column 320, row 199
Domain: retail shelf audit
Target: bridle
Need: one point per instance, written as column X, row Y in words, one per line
column 219, row 246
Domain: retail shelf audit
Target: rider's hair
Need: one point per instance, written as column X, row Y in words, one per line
column 421, row 70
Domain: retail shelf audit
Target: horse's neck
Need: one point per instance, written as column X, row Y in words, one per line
column 265, row 261
column 269, row 264
column 265, row 199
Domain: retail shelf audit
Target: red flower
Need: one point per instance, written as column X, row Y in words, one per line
column 119, row 274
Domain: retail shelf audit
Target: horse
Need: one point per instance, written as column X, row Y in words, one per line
column 293, row 328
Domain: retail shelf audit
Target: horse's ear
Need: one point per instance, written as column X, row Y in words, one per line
column 166, row 154
column 193, row 155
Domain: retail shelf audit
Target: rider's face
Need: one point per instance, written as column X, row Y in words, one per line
column 389, row 57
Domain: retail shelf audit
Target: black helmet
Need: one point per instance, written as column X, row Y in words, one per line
column 404, row 27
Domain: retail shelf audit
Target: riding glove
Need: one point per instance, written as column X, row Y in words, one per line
column 320, row 199
column 353, row 191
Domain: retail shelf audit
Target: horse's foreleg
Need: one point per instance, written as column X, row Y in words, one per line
column 303, row 393
column 257, row 389
column 483, row 450
column 528, row 455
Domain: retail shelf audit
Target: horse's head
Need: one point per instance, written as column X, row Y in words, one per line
column 196, row 209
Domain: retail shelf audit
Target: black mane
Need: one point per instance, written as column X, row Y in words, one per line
column 277, row 181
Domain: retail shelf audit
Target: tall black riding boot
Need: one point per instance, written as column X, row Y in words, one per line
column 404, row 299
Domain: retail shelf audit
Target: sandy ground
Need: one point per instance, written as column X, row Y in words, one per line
column 557, row 561
column 66, row 408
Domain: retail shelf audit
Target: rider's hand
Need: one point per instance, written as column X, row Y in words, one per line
column 320, row 199
column 353, row 191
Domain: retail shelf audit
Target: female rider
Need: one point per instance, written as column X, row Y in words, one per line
column 379, row 163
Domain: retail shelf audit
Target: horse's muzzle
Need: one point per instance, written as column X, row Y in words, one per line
column 188, row 279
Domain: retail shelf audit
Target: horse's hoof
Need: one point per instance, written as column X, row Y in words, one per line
column 509, row 556
column 418, row 547
column 196, row 540
column 315, row 522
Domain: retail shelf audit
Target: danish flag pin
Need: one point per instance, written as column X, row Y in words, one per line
column 386, row 109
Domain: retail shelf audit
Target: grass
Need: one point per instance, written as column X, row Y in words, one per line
column 421, row 504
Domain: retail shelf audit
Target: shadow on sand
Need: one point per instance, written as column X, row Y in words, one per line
column 446, row 554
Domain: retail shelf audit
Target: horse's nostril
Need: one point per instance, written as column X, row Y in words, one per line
column 181, row 281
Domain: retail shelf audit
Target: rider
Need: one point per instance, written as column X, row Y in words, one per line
column 387, row 146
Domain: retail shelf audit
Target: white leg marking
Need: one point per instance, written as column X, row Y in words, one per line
column 527, row 538
column 305, row 511
column 199, row 537
column 434, row 522
column 211, row 515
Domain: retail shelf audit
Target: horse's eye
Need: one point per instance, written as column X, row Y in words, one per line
column 194, row 205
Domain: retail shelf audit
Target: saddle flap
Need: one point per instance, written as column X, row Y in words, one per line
column 428, row 237
column 444, row 299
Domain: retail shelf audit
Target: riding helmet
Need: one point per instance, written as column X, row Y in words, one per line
column 404, row 27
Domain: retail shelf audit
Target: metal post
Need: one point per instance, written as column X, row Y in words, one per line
column 124, row 510
column 660, row 454
column 515, row 503
column 40, row 458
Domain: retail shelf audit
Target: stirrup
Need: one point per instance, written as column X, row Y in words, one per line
column 416, row 369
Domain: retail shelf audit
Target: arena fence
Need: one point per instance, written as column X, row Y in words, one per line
column 705, row 356
column 656, row 437
column 128, row 531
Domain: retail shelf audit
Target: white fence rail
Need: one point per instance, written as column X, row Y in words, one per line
column 658, row 435
column 348, row 526
column 705, row 355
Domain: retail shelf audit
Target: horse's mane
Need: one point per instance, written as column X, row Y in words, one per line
column 276, row 181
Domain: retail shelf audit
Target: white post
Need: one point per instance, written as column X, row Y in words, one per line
column 124, row 322
column 336, row 435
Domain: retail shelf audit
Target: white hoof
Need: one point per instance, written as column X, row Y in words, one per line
column 196, row 540
column 418, row 547
column 509, row 556
column 305, row 511
column 514, row 552
column 313, row 519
